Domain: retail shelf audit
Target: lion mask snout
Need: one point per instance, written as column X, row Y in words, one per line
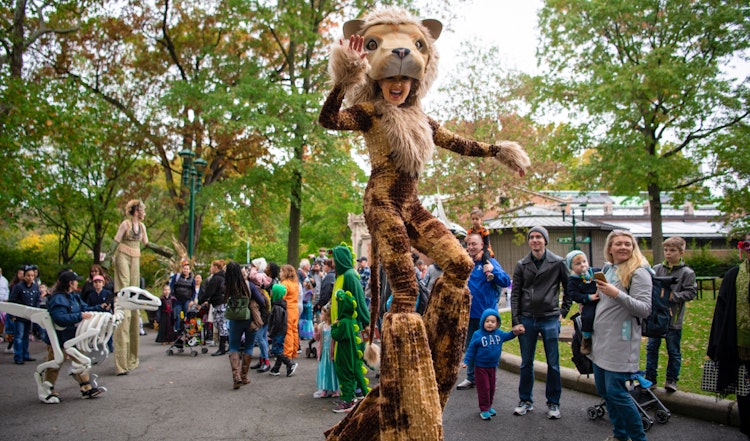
column 394, row 50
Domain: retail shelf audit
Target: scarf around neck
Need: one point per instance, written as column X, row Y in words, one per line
column 670, row 267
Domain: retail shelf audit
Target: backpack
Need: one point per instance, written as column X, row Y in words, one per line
column 656, row 324
column 582, row 362
column 265, row 313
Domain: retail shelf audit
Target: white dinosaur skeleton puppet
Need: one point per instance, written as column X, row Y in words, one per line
column 91, row 337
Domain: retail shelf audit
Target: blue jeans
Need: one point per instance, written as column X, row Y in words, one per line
column 178, row 308
column 674, row 362
column 626, row 421
column 550, row 329
column 261, row 339
column 21, row 340
column 238, row 328
column 9, row 329
column 277, row 344
column 473, row 327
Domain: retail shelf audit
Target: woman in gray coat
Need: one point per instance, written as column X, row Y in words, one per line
column 625, row 300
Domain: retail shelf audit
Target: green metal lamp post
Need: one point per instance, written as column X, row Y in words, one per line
column 573, row 220
column 192, row 175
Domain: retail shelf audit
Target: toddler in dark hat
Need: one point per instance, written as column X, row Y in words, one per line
column 582, row 290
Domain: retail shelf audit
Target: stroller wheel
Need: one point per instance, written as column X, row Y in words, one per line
column 600, row 411
column 204, row 350
column 307, row 352
column 662, row 416
column 193, row 353
column 592, row 413
column 170, row 352
column 647, row 423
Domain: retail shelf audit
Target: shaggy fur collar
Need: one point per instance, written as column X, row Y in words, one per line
column 408, row 132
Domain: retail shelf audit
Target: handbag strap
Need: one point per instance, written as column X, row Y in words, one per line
column 235, row 301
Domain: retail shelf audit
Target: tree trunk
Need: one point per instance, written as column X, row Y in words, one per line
column 295, row 209
column 657, row 236
column 64, row 241
column 96, row 247
column 16, row 55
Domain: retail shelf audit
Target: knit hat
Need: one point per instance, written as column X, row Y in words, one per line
column 541, row 230
column 260, row 263
column 571, row 255
column 278, row 292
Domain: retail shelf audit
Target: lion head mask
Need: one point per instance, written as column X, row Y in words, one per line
column 396, row 44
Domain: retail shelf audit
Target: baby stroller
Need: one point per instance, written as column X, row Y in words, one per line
column 644, row 400
column 191, row 335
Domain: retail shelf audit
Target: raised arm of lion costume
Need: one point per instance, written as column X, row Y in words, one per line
column 420, row 356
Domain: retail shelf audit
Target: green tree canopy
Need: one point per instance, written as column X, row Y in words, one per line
column 489, row 105
column 646, row 85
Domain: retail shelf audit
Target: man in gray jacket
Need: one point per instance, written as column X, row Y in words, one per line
column 535, row 308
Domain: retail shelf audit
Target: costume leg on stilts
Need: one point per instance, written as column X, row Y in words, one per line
column 409, row 379
column 447, row 314
column 134, row 331
column 122, row 343
column 448, row 309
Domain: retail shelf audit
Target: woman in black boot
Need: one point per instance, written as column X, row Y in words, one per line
column 237, row 287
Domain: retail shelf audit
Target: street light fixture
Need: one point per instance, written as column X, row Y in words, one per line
column 573, row 220
column 192, row 176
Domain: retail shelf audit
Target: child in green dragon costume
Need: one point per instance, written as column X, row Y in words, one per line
column 348, row 356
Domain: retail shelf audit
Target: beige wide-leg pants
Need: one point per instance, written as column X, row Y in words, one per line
column 126, row 336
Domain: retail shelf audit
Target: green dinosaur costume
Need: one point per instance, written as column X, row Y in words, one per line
column 347, row 279
column 348, row 359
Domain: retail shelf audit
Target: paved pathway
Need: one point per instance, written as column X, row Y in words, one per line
column 186, row 398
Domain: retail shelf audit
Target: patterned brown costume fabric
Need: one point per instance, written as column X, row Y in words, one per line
column 420, row 355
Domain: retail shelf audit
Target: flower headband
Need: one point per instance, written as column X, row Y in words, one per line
column 744, row 245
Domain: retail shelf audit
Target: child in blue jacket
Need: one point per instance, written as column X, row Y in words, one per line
column 484, row 351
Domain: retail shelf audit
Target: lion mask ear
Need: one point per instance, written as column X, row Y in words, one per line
column 352, row 27
column 434, row 26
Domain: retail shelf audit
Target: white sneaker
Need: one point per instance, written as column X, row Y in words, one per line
column 554, row 411
column 523, row 407
column 466, row 384
column 291, row 369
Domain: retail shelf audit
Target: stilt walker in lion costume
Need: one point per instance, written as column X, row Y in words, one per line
column 383, row 71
